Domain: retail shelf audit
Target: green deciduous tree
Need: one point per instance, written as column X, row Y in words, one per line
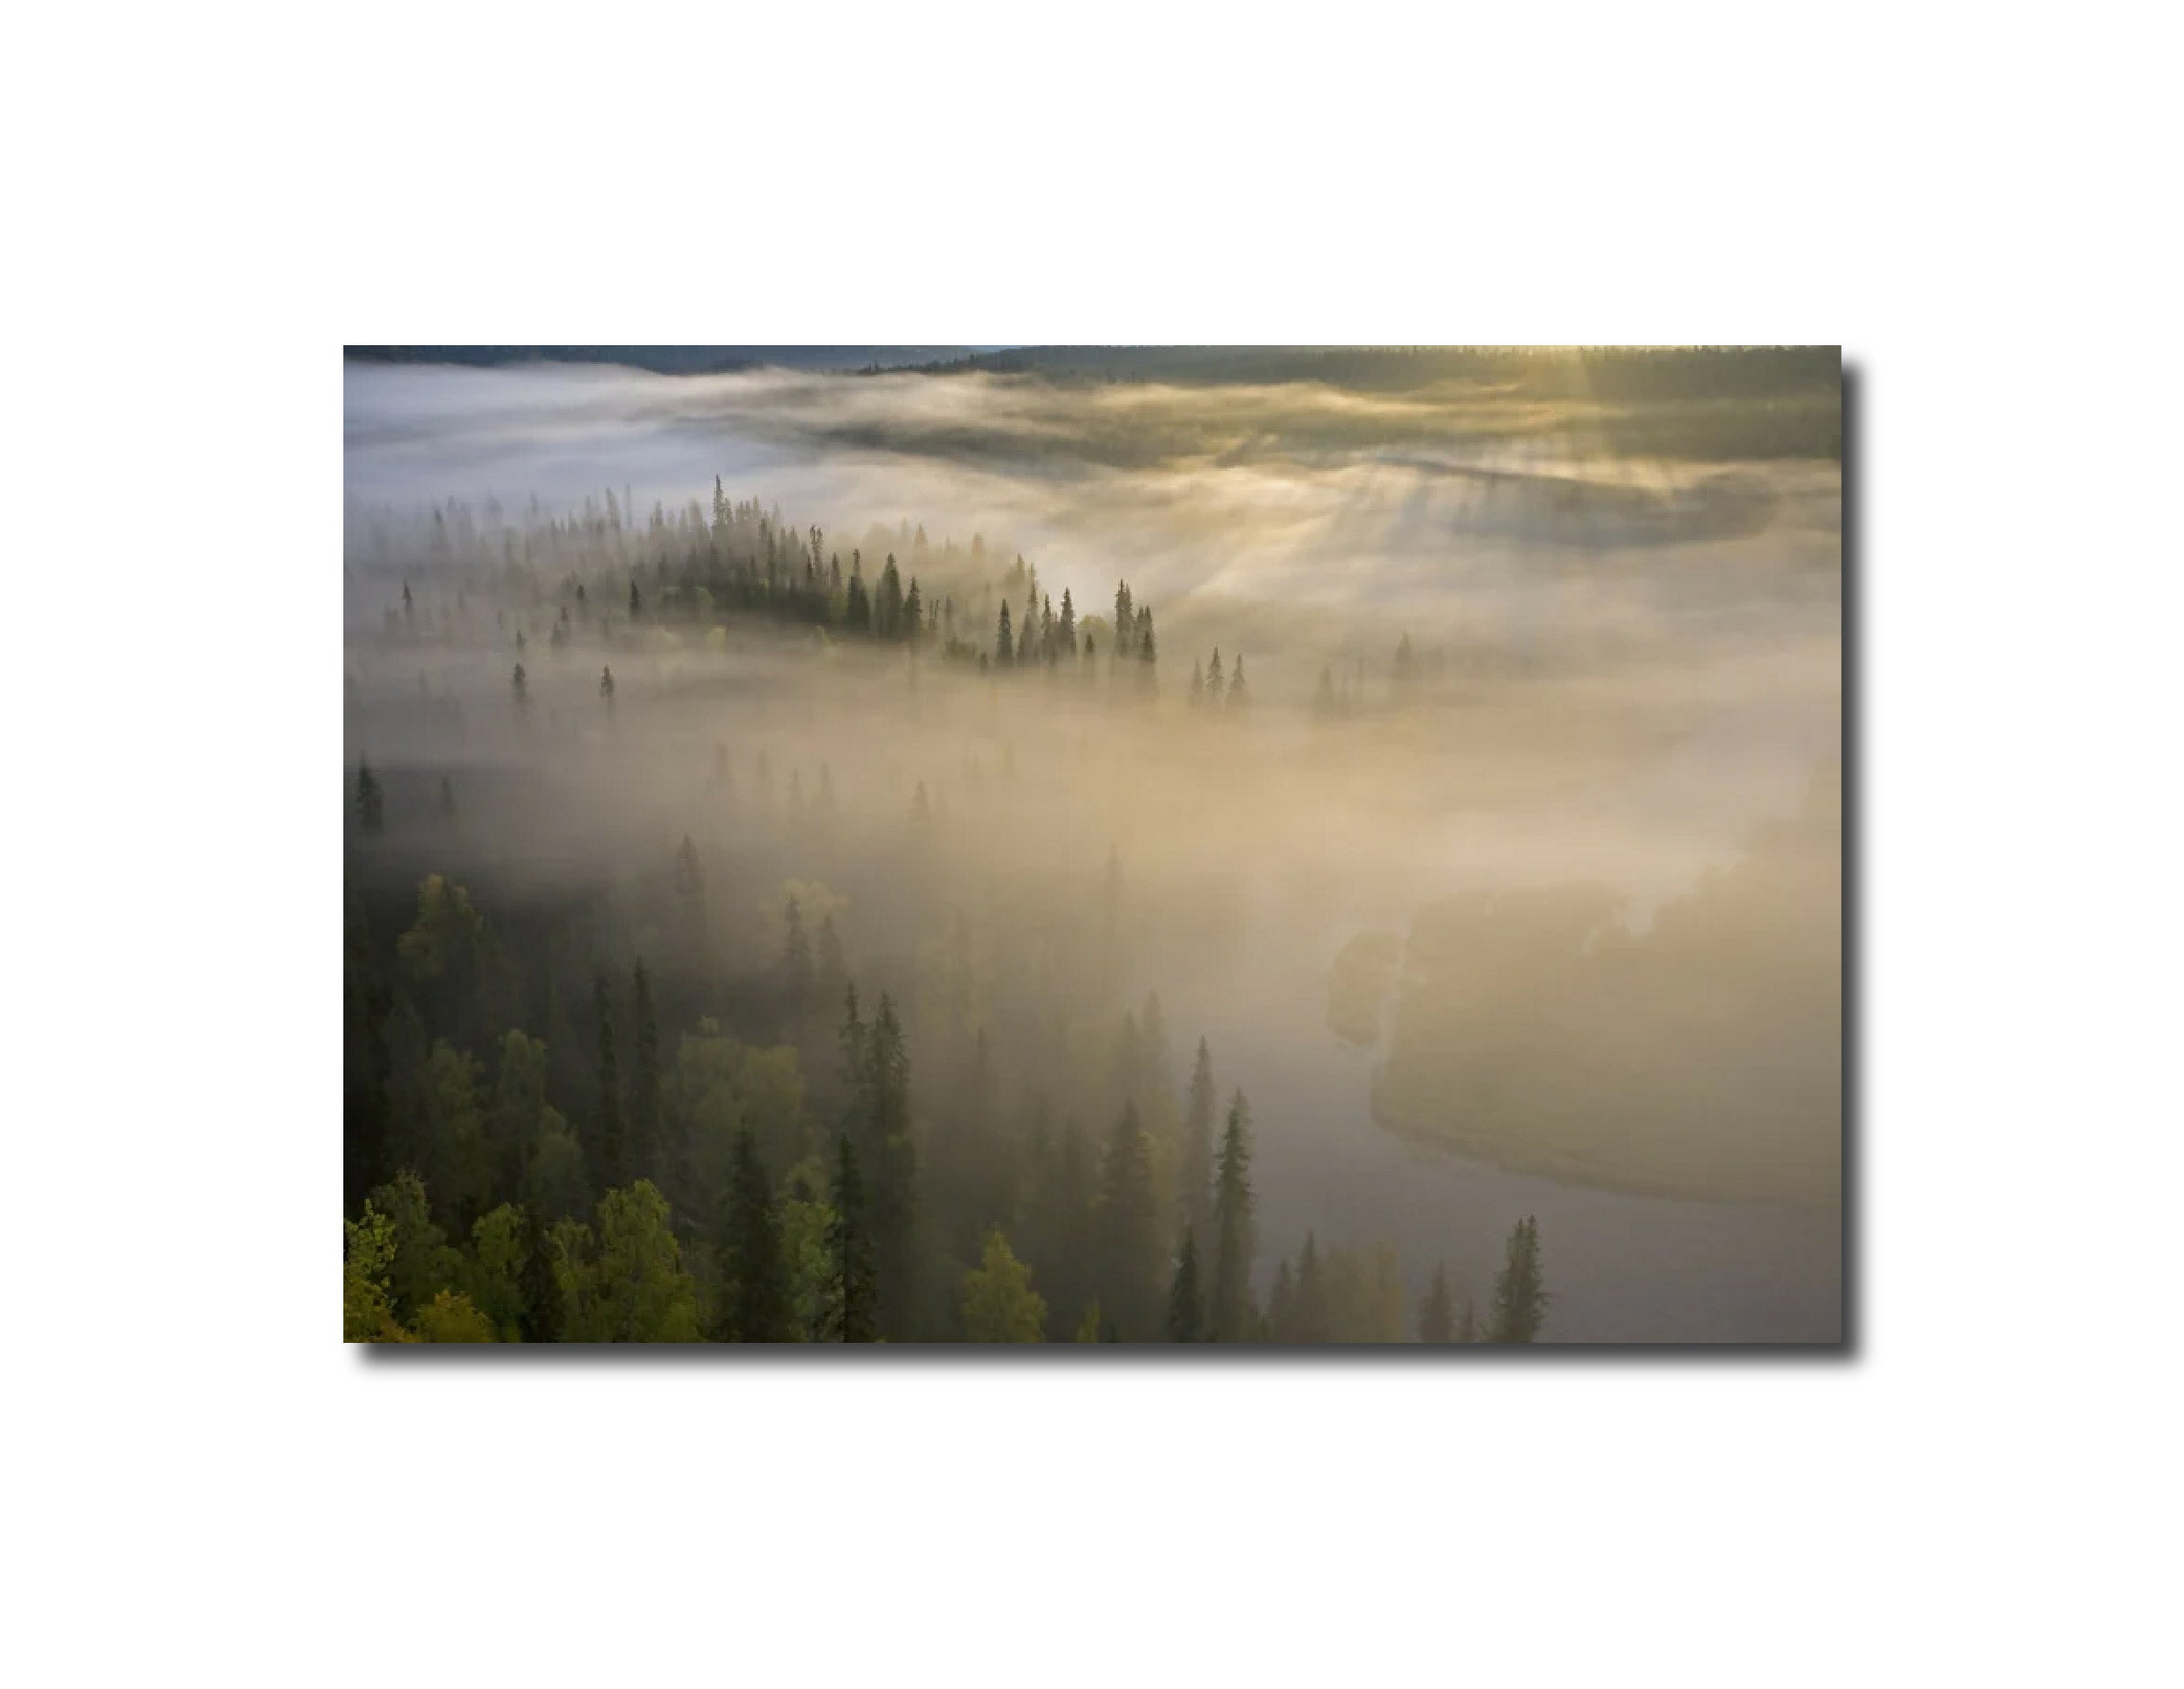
column 1000, row 1304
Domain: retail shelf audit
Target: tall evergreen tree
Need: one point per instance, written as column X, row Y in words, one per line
column 757, row 1305
column 1129, row 1251
column 1004, row 653
column 371, row 801
column 887, row 607
column 895, row 1168
column 1519, row 1291
column 1186, row 1317
column 1066, row 630
column 1234, row 1319
column 1194, row 1165
column 854, row 1307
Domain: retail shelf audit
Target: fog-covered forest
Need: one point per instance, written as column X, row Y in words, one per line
column 1226, row 848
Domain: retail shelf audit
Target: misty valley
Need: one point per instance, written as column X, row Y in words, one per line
column 1244, row 847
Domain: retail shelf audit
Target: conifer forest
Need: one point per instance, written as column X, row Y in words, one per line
column 1247, row 846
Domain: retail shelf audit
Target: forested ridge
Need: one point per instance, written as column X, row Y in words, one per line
column 607, row 1109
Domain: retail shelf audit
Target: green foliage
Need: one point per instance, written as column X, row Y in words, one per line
column 368, row 1251
column 499, row 1251
column 447, row 934
column 853, row 1314
column 629, row 1286
column 1000, row 1304
column 423, row 1265
column 450, row 1317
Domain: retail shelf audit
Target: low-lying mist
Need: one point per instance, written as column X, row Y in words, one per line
column 1500, row 867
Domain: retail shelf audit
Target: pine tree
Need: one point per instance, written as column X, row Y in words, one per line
column 1520, row 1292
column 853, row 1310
column 1003, row 652
column 1237, row 696
column 1234, row 1319
column 1067, row 631
column 1195, row 1170
column 913, row 614
column 371, row 802
column 758, row 1304
column 1214, row 687
column 1436, row 1314
column 636, row 604
column 1187, row 1320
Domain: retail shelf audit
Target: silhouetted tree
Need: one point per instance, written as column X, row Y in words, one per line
column 1185, row 1311
column 1234, row 1319
column 756, row 1305
column 371, row 802
column 1520, row 1292
column 852, row 1311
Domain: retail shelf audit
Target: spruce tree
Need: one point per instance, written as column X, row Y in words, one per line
column 1004, row 654
column 1187, row 1320
column 757, row 1305
column 895, row 1167
column 1234, row 1319
column 854, row 1306
column 1194, row 1168
column 371, row 802
column 1519, row 1291
column 1129, row 1248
